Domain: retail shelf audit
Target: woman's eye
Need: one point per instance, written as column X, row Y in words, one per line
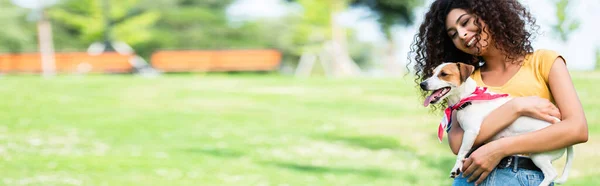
column 464, row 23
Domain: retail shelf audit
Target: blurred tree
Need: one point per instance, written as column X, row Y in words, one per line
column 150, row 25
column 314, row 26
column 17, row 35
column 565, row 24
column 322, row 38
column 201, row 24
column 85, row 20
column 290, row 35
column 390, row 13
column 190, row 23
column 276, row 33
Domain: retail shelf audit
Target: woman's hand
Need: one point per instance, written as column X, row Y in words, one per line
column 537, row 107
column 482, row 161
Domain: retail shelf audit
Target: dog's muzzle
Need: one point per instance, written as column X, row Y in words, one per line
column 423, row 85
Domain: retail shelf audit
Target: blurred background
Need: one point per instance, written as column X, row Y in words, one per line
column 240, row 92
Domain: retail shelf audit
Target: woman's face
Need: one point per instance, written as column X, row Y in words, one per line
column 461, row 28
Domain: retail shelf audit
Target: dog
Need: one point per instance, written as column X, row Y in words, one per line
column 472, row 104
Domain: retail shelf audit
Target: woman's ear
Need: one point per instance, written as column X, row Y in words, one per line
column 465, row 70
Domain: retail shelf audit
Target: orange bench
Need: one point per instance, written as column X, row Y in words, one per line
column 66, row 62
column 224, row 60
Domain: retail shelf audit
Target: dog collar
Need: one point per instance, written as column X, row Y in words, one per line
column 480, row 93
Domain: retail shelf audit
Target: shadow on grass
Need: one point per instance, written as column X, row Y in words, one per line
column 369, row 142
column 438, row 165
column 369, row 172
column 223, row 153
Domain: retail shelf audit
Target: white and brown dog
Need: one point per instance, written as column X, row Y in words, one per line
column 472, row 104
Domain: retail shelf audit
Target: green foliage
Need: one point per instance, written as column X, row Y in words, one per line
column 390, row 12
column 201, row 24
column 314, row 26
column 150, row 25
column 86, row 19
column 17, row 34
column 566, row 24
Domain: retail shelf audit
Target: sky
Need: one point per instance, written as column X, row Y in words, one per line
column 579, row 51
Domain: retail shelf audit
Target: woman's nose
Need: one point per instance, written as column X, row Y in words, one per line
column 463, row 35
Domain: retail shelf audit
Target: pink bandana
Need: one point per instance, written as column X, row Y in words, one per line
column 480, row 93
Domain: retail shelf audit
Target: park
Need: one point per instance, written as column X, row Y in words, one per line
column 144, row 94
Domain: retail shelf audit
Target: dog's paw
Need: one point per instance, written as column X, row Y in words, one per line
column 456, row 170
column 455, row 173
column 560, row 181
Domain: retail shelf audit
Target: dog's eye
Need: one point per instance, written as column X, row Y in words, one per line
column 443, row 74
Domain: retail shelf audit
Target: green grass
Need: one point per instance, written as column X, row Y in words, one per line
column 234, row 130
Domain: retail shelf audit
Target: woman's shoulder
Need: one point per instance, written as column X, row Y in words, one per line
column 542, row 60
column 545, row 52
column 543, row 55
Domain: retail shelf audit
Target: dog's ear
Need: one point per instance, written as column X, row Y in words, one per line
column 465, row 70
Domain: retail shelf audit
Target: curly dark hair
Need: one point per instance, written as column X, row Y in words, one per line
column 506, row 21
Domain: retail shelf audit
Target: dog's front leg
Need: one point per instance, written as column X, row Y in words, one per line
column 466, row 145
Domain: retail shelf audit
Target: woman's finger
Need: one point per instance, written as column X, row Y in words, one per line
column 481, row 178
column 553, row 116
column 469, row 170
column 466, row 164
column 544, row 116
column 556, row 113
column 475, row 175
column 551, row 119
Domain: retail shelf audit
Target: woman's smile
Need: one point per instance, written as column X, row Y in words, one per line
column 472, row 40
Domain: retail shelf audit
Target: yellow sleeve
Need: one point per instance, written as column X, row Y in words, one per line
column 544, row 61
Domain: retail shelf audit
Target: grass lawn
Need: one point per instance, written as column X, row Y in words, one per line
column 234, row 130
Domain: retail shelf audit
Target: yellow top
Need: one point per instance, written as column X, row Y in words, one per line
column 530, row 80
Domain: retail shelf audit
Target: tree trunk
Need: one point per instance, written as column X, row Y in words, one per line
column 46, row 47
column 343, row 65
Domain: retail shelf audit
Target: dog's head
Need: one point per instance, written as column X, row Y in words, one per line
column 445, row 79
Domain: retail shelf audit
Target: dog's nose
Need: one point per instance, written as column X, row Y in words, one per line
column 423, row 85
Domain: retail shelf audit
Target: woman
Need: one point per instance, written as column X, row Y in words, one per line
column 494, row 36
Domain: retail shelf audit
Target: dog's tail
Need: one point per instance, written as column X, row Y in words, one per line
column 565, row 174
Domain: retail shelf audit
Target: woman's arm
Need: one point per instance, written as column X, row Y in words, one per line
column 497, row 120
column 571, row 130
column 502, row 117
